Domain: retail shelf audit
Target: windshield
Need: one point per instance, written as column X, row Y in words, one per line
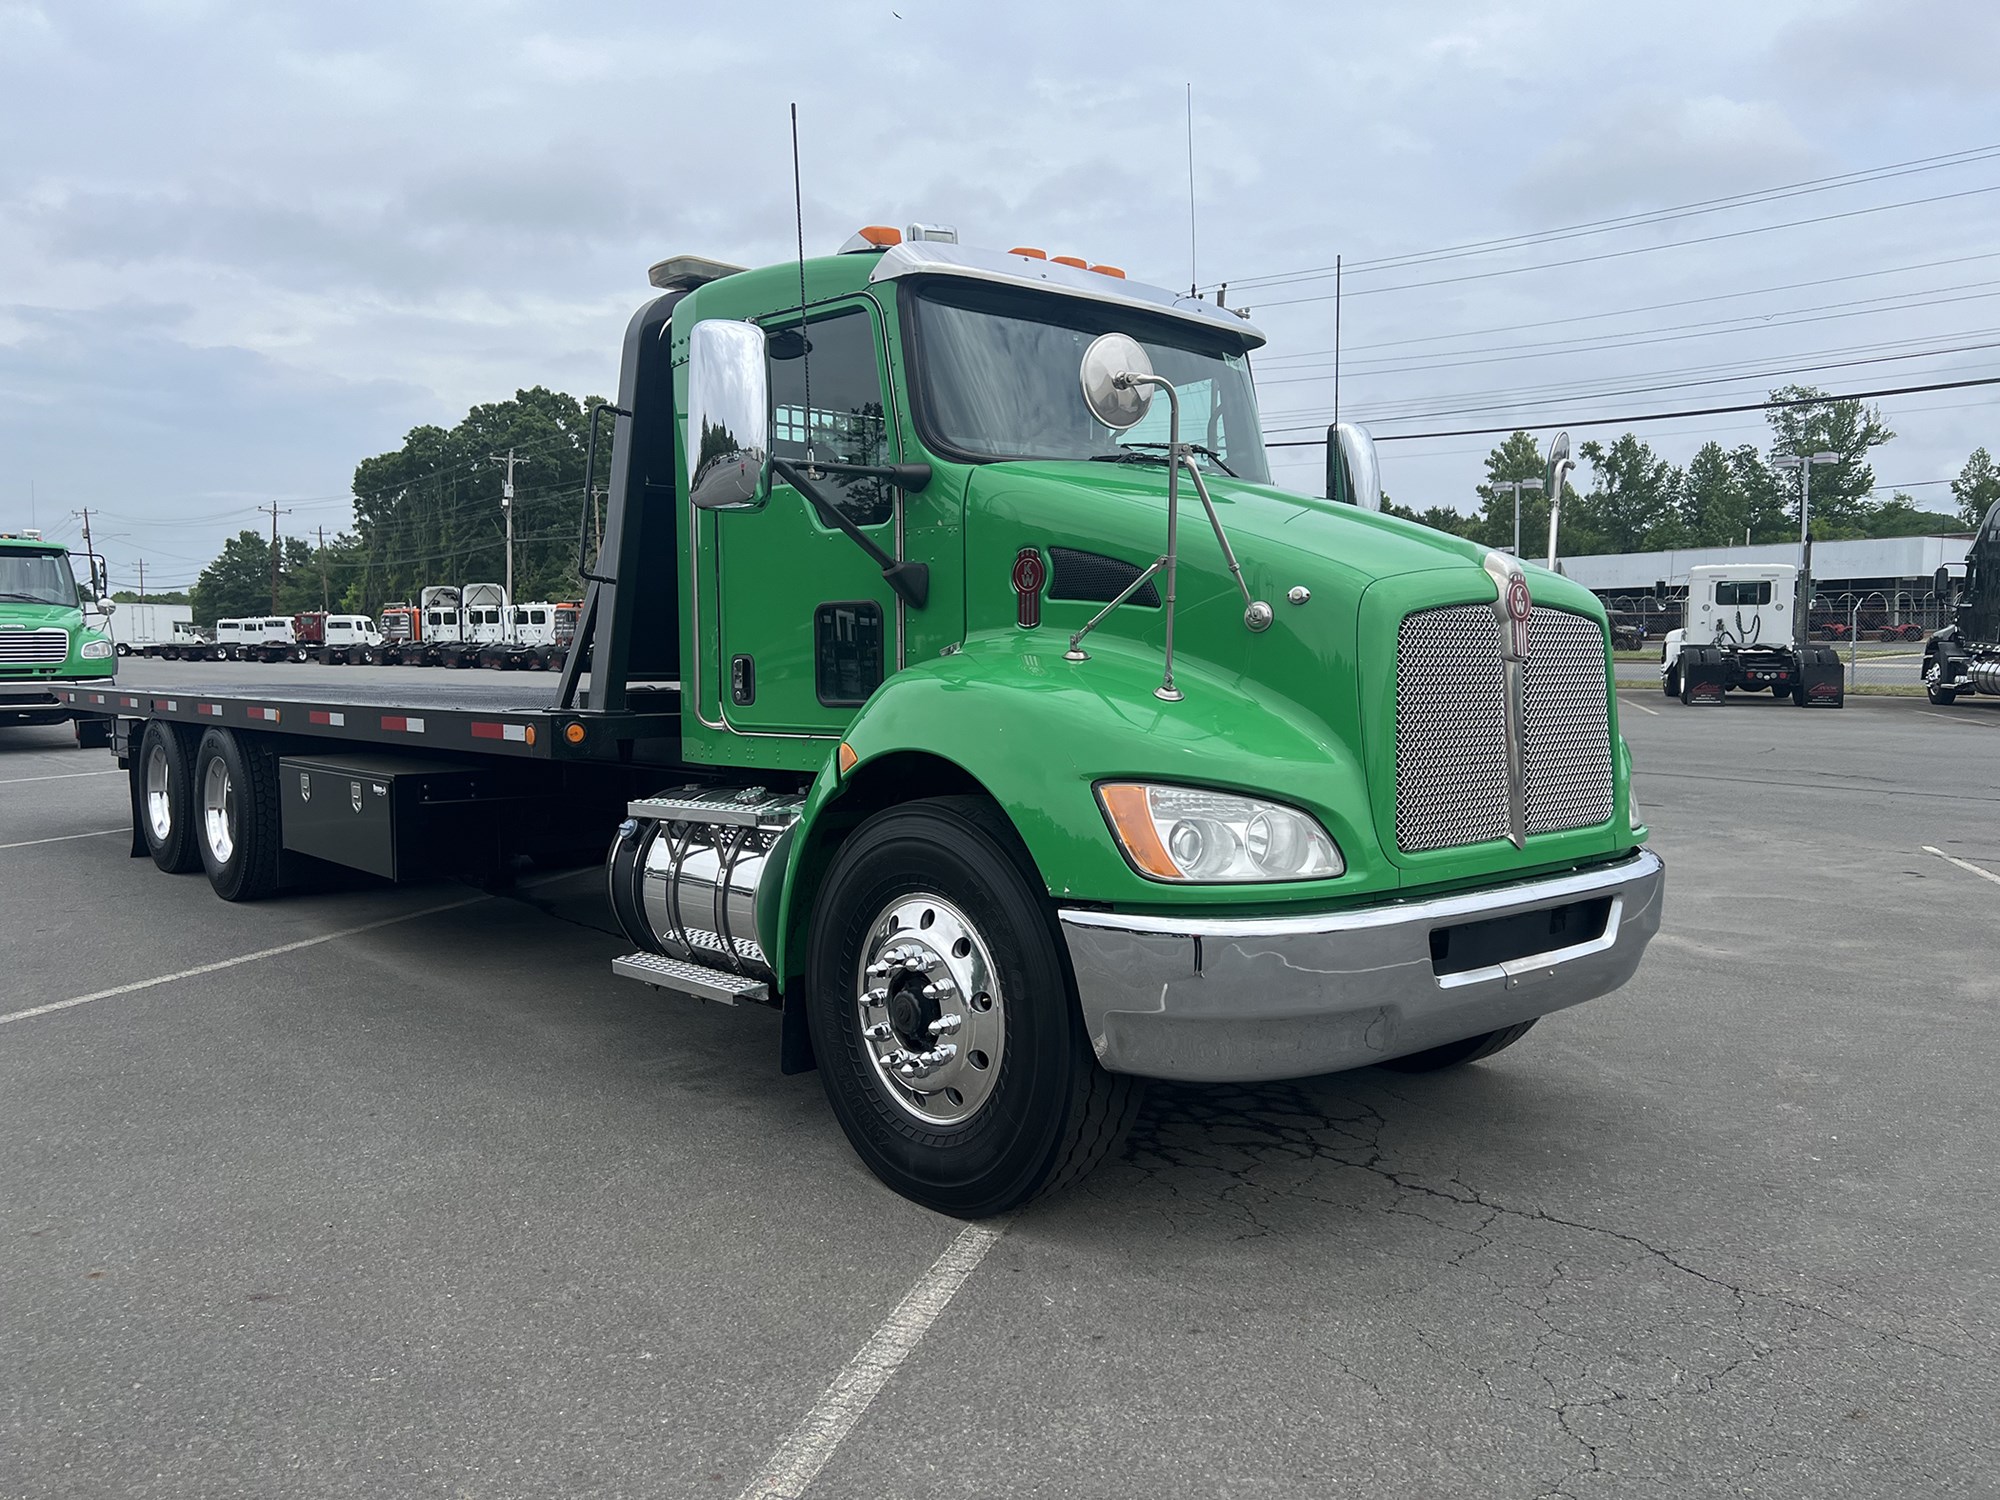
column 997, row 377
column 36, row 578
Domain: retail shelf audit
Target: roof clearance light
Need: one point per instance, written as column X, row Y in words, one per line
column 1030, row 253
column 1070, row 260
column 936, row 234
column 871, row 237
column 1109, row 271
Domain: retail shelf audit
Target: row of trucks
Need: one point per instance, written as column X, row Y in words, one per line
column 450, row 627
column 981, row 706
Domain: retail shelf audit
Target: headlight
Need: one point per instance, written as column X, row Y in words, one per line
column 1188, row 834
column 94, row 650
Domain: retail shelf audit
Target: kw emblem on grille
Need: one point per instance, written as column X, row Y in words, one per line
column 1512, row 604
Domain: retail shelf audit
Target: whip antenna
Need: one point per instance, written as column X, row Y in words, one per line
column 805, row 344
column 1190, row 144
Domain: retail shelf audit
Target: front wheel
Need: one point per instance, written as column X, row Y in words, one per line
column 942, row 1016
column 1671, row 683
column 1456, row 1054
column 1941, row 697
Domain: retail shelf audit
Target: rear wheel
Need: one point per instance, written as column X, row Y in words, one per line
column 166, row 807
column 1671, row 683
column 1456, row 1054
column 948, row 1037
column 236, row 800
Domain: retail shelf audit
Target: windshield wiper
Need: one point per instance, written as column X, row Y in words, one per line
column 1208, row 453
column 29, row 598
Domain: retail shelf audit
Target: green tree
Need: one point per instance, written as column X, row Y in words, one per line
column 1520, row 457
column 1840, row 491
column 1899, row 516
column 153, row 596
column 1634, row 500
column 237, row 583
column 1977, row 488
column 429, row 511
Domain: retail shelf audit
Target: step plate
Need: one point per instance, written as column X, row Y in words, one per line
column 691, row 979
column 752, row 807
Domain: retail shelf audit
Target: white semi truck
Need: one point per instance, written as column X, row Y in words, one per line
column 1742, row 633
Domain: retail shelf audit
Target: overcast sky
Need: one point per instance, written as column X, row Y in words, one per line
column 243, row 246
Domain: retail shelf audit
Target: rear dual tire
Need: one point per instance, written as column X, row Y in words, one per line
column 166, row 796
column 1032, row 1110
column 236, row 823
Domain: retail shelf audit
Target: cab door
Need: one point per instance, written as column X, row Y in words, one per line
column 807, row 626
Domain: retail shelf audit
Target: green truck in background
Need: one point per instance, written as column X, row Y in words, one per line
column 955, row 680
column 53, row 631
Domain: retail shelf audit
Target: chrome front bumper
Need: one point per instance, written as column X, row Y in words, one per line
column 1221, row 999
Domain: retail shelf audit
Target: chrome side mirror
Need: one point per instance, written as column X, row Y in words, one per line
column 1353, row 473
column 1114, row 398
column 729, row 416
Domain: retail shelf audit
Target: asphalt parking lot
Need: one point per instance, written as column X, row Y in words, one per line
column 417, row 1199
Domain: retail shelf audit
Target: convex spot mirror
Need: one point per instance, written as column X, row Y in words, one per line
column 1354, row 474
column 1118, row 405
column 729, row 416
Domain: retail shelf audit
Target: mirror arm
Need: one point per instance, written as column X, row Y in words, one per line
column 589, row 478
column 910, row 580
column 1256, row 616
column 909, row 478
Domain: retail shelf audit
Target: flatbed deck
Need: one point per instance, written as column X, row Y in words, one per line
column 492, row 713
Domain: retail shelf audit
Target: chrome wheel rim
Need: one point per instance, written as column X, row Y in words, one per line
column 159, row 805
column 933, row 1018
column 218, row 811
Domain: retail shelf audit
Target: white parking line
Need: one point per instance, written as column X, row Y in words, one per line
column 1640, row 706
column 62, row 838
column 801, row 1456
column 62, row 776
column 241, row 958
column 1963, row 864
column 1952, row 719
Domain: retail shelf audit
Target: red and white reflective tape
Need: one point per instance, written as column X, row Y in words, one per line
column 400, row 725
column 520, row 734
column 214, row 710
column 325, row 716
column 100, row 697
column 268, row 715
column 167, row 705
column 131, row 702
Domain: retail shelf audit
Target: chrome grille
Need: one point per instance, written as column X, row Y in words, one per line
column 1451, row 735
column 33, row 648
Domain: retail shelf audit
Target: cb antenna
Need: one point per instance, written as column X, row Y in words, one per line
column 805, row 344
column 1190, row 145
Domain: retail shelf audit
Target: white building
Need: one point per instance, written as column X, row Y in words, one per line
column 1905, row 564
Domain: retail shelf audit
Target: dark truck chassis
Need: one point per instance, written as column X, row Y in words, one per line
column 1811, row 677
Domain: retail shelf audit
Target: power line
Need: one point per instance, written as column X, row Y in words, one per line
column 1662, row 416
column 1582, row 260
column 1642, row 219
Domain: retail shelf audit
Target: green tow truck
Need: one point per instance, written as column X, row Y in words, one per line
column 52, row 632
column 958, row 683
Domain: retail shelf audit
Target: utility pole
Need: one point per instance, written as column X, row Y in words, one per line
column 507, row 508
column 1802, row 606
column 324, row 607
column 142, row 580
column 275, row 513
column 85, row 513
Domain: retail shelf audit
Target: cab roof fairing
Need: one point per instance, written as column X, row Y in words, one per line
column 931, row 259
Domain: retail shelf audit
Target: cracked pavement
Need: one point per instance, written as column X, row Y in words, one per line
column 453, row 1212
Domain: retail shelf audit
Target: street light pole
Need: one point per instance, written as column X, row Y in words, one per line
column 1802, row 606
column 1533, row 487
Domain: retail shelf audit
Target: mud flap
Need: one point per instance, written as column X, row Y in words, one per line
column 1823, row 678
column 1704, row 674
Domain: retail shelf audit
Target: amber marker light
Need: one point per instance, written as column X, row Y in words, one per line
column 880, row 234
column 1070, row 260
column 846, row 758
column 1031, row 253
column 1132, row 821
column 1109, row 271
column 573, row 733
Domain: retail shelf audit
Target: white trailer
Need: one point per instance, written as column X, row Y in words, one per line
column 138, row 626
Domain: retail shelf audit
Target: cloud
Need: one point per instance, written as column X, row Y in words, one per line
column 1911, row 46
column 1650, row 148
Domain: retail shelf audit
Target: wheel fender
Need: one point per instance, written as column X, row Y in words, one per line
column 1036, row 733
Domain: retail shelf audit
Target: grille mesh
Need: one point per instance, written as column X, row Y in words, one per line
column 22, row 648
column 1451, row 747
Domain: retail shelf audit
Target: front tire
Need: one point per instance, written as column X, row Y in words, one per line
column 166, row 802
column 236, row 811
column 1457, row 1054
column 1671, row 683
column 943, row 1017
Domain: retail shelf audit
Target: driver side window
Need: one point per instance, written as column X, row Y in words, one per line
column 845, row 422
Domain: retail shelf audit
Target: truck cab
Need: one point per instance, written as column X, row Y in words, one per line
column 54, row 629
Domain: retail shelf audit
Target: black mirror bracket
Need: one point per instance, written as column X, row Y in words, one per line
column 910, row 580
